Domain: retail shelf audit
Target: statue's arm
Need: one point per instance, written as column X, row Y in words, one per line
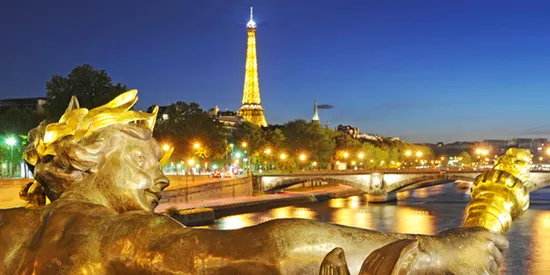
column 157, row 243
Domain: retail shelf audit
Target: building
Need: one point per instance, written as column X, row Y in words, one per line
column 496, row 143
column 315, row 118
column 539, row 143
column 35, row 104
column 348, row 129
column 520, row 142
column 161, row 115
column 229, row 119
column 251, row 109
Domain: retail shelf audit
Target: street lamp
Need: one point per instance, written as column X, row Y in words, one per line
column 418, row 154
column 302, row 157
column 283, row 156
column 346, row 155
column 408, row 153
column 361, row 155
column 268, row 153
column 244, row 144
column 11, row 142
column 197, row 145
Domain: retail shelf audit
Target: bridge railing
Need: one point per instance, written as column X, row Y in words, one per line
column 359, row 171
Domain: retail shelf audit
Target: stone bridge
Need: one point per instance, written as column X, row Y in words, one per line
column 378, row 183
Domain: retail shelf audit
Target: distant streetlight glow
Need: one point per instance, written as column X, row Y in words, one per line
column 267, row 151
column 191, row 162
column 418, row 154
column 361, row 155
column 302, row 157
column 346, row 154
column 10, row 141
column 197, row 145
column 283, row 156
column 165, row 147
column 408, row 153
column 244, row 144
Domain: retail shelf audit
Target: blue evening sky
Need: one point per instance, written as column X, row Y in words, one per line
column 426, row 71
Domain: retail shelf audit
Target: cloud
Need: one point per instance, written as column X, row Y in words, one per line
column 325, row 106
column 541, row 130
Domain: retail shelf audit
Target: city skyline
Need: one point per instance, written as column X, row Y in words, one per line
column 424, row 72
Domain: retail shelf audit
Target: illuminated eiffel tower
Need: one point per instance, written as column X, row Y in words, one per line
column 251, row 108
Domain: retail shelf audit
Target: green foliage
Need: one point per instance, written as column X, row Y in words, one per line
column 187, row 125
column 17, row 121
column 465, row 158
column 311, row 139
column 253, row 136
column 92, row 87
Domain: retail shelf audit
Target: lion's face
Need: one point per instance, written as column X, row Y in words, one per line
column 517, row 162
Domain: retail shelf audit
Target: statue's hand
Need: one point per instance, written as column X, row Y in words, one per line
column 472, row 250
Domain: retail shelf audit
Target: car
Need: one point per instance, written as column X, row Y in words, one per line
column 216, row 174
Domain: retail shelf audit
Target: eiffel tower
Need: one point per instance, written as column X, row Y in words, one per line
column 251, row 109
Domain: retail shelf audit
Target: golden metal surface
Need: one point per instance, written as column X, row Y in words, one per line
column 500, row 196
column 251, row 108
column 104, row 181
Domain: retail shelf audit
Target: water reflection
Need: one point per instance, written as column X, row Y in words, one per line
column 541, row 244
column 237, row 221
column 337, row 203
column 352, row 217
column 249, row 219
column 414, row 221
column 304, row 213
column 421, row 212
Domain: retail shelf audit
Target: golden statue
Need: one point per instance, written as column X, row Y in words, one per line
column 100, row 170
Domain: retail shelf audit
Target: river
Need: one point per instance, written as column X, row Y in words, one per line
column 424, row 211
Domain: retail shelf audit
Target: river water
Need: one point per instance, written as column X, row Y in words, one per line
column 424, row 211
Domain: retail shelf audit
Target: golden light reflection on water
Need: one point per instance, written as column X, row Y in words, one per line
column 281, row 212
column 249, row 219
column 414, row 221
column 403, row 195
column 421, row 193
column 354, row 202
column 540, row 241
column 237, row 221
column 352, row 217
column 337, row 203
column 304, row 213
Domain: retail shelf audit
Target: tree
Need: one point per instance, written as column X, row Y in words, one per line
column 192, row 133
column 92, row 87
column 465, row 158
column 346, row 143
column 15, row 123
column 249, row 137
column 311, row 139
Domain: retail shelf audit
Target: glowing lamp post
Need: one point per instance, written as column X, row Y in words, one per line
column 11, row 142
column 268, row 153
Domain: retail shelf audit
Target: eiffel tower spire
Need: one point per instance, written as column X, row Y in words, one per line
column 251, row 108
